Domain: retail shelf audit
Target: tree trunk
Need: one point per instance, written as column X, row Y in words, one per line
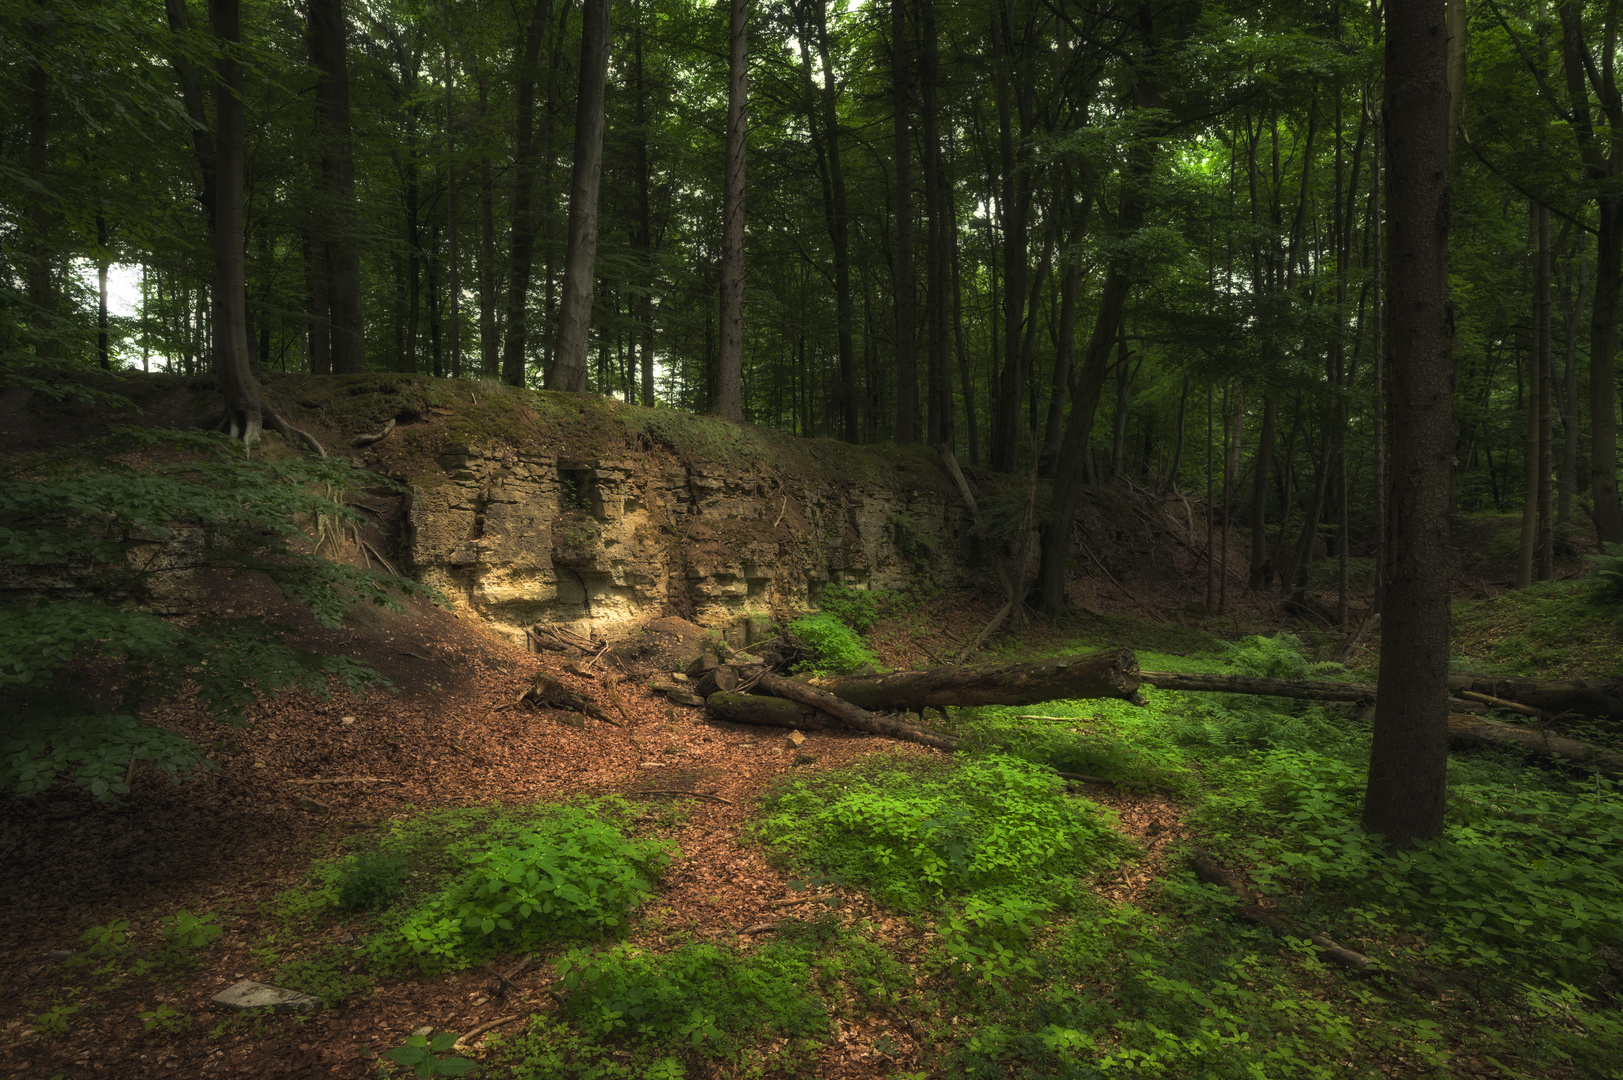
column 907, row 391
column 729, row 399
column 1015, row 74
column 453, row 215
column 1262, row 570
column 937, row 203
column 1589, row 697
column 245, row 414
column 1603, row 159
column 521, row 244
column 340, row 235
column 642, row 240
column 846, row 392
column 1408, row 772
column 1109, row 673
column 489, row 345
column 103, row 261
column 568, row 371
column 1572, row 307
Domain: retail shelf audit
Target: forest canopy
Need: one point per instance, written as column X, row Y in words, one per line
column 1144, row 239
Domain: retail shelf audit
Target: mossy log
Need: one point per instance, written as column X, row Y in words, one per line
column 1109, row 673
column 770, row 711
column 1590, row 697
column 1473, row 731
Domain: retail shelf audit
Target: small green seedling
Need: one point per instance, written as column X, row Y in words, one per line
column 163, row 1018
column 420, row 1055
column 183, row 930
column 53, row 1023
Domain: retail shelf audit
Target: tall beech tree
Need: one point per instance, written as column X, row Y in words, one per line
column 340, row 245
column 1408, row 764
column 728, row 402
column 568, row 371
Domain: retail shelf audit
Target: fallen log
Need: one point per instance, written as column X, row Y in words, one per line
column 768, row 711
column 1591, row 697
column 848, row 713
column 1111, row 673
column 1305, row 689
column 1466, row 730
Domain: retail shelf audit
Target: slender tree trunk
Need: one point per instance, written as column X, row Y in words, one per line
column 1546, row 391
column 1064, row 356
column 1408, row 770
column 328, row 31
column 729, row 400
column 1603, row 160
column 453, row 214
column 1261, row 568
column 643, row 239
column 521, row 244
column 489, row 340
column 245, row 415
column 938, row 205
column 1572, row 312
column 1171, row 483
column 103, row 261
column 1531, row 486
column 846, row 394
column 907, row 393
column 1015, row 75
column 568, row 371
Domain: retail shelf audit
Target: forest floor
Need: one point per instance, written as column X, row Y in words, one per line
column 311, row 780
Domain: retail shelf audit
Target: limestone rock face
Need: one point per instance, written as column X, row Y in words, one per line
column 603, row 544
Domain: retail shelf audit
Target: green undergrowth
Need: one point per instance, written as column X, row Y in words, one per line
column 453, row 889
column 1560, row 629
column 1498, row 947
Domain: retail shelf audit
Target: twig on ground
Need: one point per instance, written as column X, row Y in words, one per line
column 466, row 1041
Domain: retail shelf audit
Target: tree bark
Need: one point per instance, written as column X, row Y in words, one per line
column 1016, row 105
column 1408, row 773
column 770, row 711
column 244, row 410
column 907, row 390
column 1109, row 673
column 522, row 237
column 1602, row 154
column 568, row 371
column 1261, row 568
column 939, row 413
column 729, row 400
column 489, row 345
column 839, row 232
column 340, row 239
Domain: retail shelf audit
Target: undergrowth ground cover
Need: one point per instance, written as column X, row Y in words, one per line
column 1500, row 946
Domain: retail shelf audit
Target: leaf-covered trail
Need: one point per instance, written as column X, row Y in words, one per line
column 232, row 841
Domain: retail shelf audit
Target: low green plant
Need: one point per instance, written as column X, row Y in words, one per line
column 108, row 940
column 570, row 875
column 185, row 932
column 1282, row 656
column 856, row 608
column 420, row 1054
column 53, row 1023
column 700, row 997
column 371, row 880
column 996, row 826
column 839, row 650
column 163, row 1017
column 332, row 979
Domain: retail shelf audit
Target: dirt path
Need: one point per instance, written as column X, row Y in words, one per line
column 232, row 841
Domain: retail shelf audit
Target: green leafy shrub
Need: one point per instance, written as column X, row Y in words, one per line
column 186, row 932
column 839, row 650
column 856, row 608
column 330, row 978
column 421, row 1055
column 371, row 880
column 1282, row 656
column 698, row 997
column 568, row 876
column 997, row 826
